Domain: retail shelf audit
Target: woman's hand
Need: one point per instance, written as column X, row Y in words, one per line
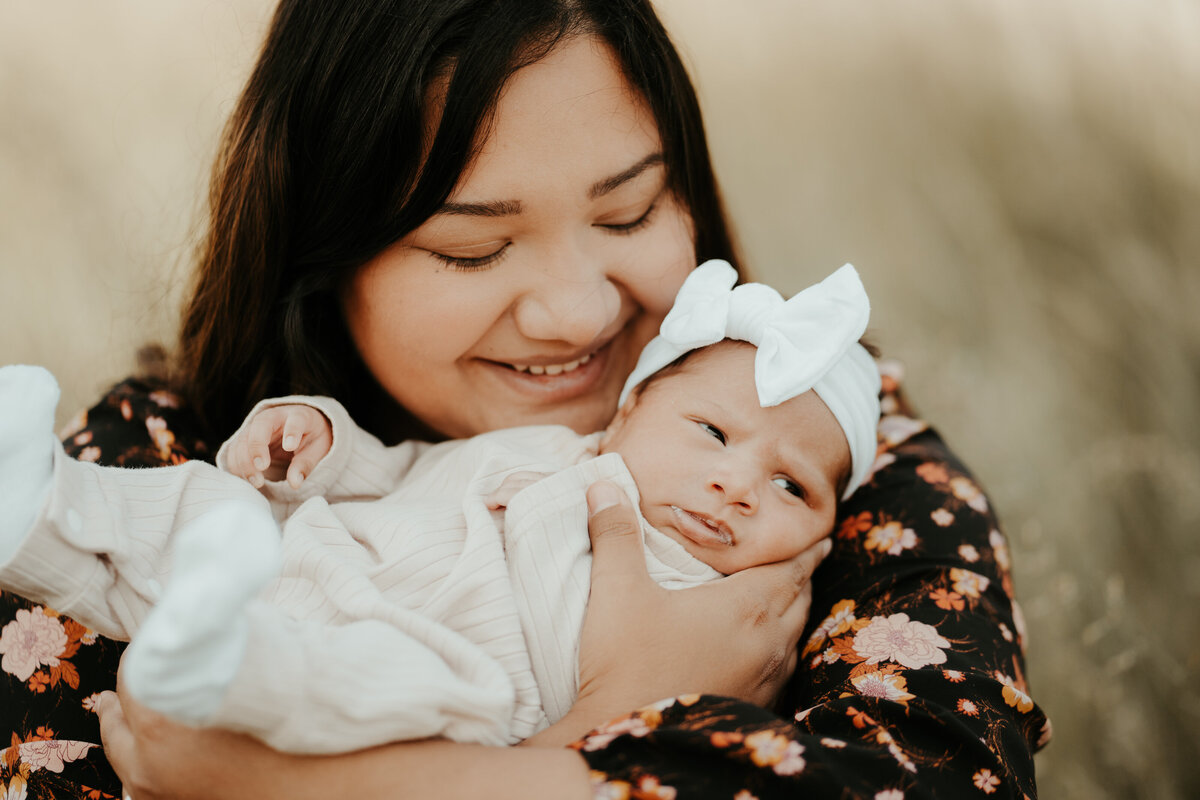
column 641, row 643
column 158, row 759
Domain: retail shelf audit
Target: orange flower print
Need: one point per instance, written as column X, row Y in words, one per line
column 780, row 753
column 968, row 583
column 884, row 685
column 985, row 781
column 162, row 436
column 603, row 789
column 951, row 601
column 44, row 733
column 933, row 472
column 942, row 518
column 649, row 788
column 861, row 719
column 892, row 538
column 744, row 794
column 1013, row 696
column 38, row 682
column 965, row 489
column 634, row 725
column 126, row 410
column 851, row 527
column 725, row 738
column 954, row 676
column 840, row 620
column 968, row 708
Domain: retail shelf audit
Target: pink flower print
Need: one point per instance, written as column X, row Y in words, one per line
column 164, row 399
column 780, row 753
column 744, row 794
column 633, row 725
column 942, row 517
column 894, row 429
column 892, row 538
column 897, row 638
column 968, row 552
column 91, row 454
column 985, row 781
column 650, row 787
column 996, row 540
column 840, row 618
column 884, row 685
column 968, row 583
column 890, row 794
column 964, row 489
column 30, row 641
column 52, row 754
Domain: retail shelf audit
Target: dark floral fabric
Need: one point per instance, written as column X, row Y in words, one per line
column 51, row 667
column 911, row 681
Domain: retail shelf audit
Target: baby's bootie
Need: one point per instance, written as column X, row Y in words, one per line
column 191, row 645
column 28, row 397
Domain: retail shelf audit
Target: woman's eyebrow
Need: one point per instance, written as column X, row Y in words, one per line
column 492, row 208
column 603, row 187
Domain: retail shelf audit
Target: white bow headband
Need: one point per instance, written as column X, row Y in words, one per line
column 807, row 342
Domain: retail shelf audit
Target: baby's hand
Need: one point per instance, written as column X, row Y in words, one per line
column 283, row 441
column 510, row 486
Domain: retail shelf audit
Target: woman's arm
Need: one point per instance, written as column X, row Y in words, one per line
column 723, row 651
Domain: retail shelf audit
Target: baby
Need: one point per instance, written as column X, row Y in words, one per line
column 438, row 590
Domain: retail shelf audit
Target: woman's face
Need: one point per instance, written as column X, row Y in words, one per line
column 528, row 296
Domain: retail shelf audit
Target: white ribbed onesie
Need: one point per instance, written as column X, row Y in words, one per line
column 405, row 607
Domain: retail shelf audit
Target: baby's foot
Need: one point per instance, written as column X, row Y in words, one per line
column 192, row 644
column 28, row 397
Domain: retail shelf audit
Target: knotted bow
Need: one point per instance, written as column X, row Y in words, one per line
column 807, row 342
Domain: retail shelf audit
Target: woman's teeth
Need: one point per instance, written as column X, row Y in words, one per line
column 553, row 369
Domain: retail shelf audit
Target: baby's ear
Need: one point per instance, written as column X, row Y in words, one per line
column 618, row 422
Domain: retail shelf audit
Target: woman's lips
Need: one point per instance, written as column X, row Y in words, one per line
column 701, row 529
column 555, row 381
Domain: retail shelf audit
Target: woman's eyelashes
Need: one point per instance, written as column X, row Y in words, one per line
column 466, row 263
column 634, row 225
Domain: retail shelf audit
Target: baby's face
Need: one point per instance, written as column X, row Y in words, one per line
column 736, row 484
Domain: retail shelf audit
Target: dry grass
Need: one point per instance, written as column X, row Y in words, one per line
column 1017, row 181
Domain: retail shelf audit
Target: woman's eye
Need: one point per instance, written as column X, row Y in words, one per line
column 637, row 224
column 789, row 486
column 472, row 263
column 713, row 431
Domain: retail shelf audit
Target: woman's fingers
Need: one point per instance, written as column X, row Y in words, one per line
column 616, row 534
column 119, row 746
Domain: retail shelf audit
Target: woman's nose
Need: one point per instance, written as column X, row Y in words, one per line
column 571, row 304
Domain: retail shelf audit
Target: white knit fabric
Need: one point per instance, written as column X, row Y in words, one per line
column 398, row 614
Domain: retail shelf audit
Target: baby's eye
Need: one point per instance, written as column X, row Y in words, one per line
column 789, row 486
column 713, row 431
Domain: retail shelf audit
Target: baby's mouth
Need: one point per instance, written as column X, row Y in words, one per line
column 702, row 529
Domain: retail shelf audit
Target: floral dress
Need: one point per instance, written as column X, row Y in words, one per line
column 911, row 680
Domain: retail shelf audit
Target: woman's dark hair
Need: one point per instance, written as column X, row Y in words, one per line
column 326, row 161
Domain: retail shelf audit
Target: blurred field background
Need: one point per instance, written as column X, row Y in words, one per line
column 1018, row 183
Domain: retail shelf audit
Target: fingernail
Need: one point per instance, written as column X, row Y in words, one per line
column 290, row 442
column 603, row 495
column 260, row 463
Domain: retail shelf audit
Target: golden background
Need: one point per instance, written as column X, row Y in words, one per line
column 1018, row 183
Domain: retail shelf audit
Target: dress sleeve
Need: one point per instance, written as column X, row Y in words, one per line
column 52, row 668
column 911, row 680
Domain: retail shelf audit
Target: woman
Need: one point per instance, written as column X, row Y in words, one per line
column 460, row 215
